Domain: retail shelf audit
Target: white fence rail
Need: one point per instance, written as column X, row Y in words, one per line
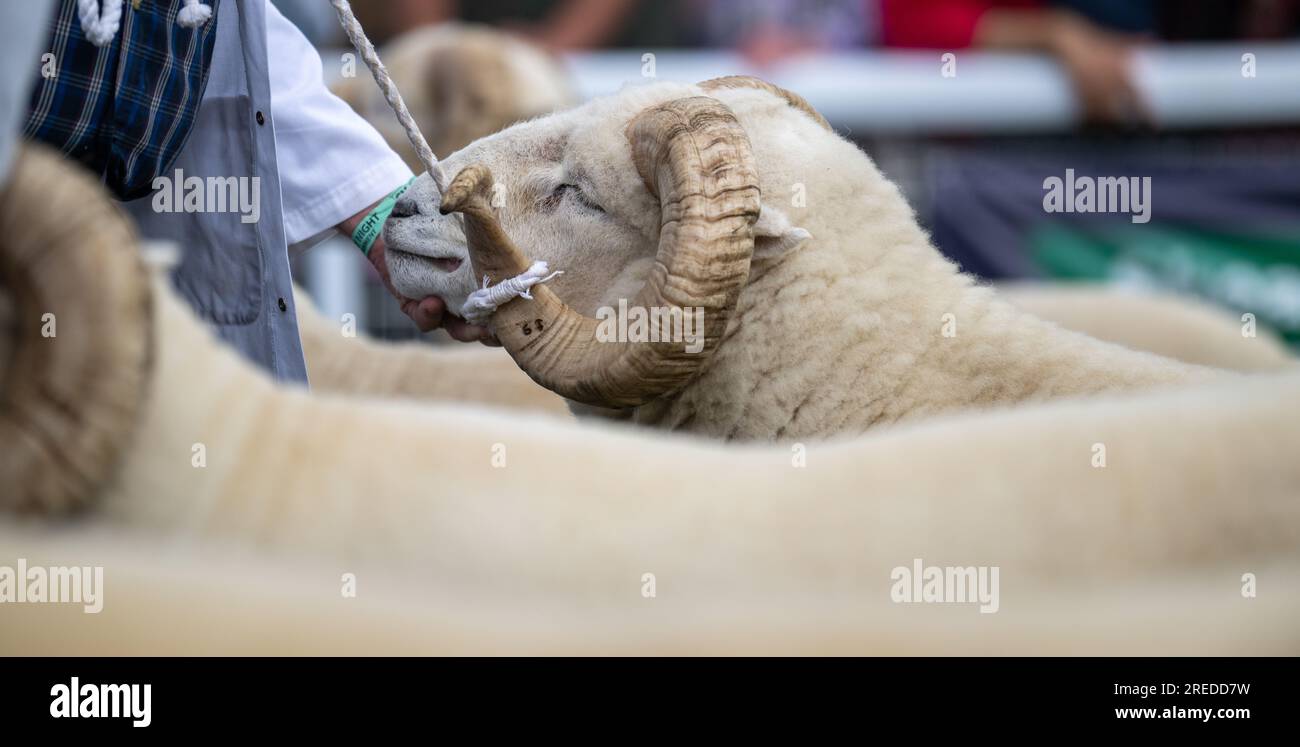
column 903, row 92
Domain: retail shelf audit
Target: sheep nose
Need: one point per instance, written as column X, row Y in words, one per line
column 405, row 207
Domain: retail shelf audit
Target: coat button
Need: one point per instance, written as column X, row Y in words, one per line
column 283, row 306
column 261, row 119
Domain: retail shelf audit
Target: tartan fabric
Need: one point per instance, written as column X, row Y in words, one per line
column 125, row 110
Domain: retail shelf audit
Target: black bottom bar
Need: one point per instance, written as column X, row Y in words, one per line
column 440, row 696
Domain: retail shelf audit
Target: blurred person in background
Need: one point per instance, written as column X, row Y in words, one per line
column 766, row 31
column 1223, row 194
column 1092, row 40
column 557, row 25
column 1218, row 20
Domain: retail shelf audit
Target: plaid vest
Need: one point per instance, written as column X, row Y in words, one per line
column 125, row 110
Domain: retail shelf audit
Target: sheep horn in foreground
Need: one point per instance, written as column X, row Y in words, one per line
column 693, row 155
column 78, row 356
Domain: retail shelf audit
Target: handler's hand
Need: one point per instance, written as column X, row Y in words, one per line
column 428, row 313
column 1099, row 64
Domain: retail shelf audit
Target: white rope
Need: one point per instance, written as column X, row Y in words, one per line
column 99, row 27
column 357, row 36
column 481, row 304
column 194, row 14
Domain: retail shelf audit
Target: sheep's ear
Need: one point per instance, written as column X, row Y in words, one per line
column 775, row 235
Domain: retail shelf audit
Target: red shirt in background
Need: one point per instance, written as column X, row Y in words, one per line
column 938, row 24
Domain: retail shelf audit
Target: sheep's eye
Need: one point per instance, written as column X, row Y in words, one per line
column 578, row 194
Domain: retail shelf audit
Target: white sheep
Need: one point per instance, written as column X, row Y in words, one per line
column 1160, row 322
column 507, row 532
column 825, row 307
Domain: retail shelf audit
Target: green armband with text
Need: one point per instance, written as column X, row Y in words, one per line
column 368, row 229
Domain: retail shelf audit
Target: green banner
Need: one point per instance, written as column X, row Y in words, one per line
column 1248, row 274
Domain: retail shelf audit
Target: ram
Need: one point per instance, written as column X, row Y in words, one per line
column 223, row 508
column 825, row 308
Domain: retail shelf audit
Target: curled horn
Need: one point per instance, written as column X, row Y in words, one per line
column 695, row 157
column 75, row 335
column 748, row 81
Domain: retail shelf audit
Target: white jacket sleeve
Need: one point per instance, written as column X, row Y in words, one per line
column 332, row 163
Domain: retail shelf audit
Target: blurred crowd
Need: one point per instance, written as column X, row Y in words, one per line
column 1091, row 38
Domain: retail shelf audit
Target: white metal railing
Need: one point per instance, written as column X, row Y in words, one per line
column 895, row 92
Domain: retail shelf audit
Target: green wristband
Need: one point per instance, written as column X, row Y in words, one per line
column 369, row 228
